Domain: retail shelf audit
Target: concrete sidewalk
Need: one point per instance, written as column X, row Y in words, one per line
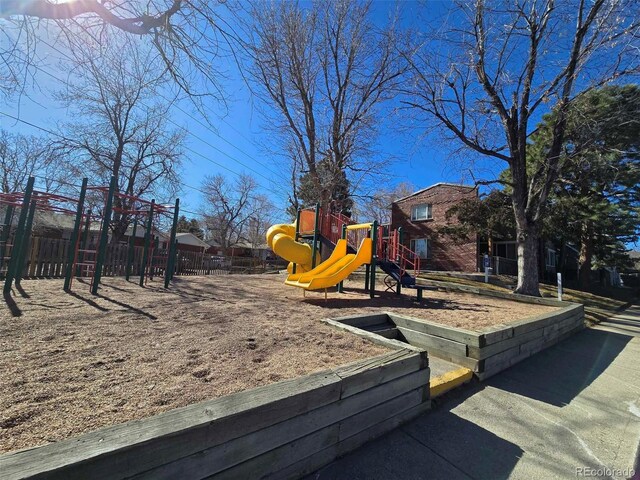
column 571, row 411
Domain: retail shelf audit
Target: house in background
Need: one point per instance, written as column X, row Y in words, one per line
column 631, row 274
column 191, row 243
column 421, row 214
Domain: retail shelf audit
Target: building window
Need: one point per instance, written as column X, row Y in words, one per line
column 505, row 250
column 421, row 212
column 551, row 258
column 422, row 247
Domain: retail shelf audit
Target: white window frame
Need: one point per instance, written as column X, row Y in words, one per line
column 412, row 246
column 428, row 212
column 551, row 253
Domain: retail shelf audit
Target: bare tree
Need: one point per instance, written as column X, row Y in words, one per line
column 234, row 212
column 187, row 35
column 325, row 71
column 23, row 156
column 378, row 206
column 488, row 75
column 120, row 127
column 259, row 223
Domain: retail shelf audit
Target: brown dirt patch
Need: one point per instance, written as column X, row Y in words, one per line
column 72, row 363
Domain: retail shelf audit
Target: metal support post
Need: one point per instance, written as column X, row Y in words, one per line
column 168, row 273
column 374, row 256
column 314, row 248
column 75, row 237
column 26, row 241
column 343, row 236
column 17, row 241
column 147, row 243
column 104, row 237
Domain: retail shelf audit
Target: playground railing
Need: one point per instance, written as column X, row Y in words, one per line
column 406, row 258
column 329, row 223
column 356, row 233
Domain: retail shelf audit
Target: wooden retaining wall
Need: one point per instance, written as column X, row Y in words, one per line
column 284, row 430
column 487, row 351
column 478, row 290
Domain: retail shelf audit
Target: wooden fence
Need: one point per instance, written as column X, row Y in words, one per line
column 47, row 258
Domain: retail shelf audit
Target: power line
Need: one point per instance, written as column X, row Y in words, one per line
column 191, row 133
column 50, row 132
column 224, row 139
column 62, row 182
column 69, row 184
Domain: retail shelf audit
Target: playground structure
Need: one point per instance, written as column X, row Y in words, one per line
column 82, row 258
column 352, row 246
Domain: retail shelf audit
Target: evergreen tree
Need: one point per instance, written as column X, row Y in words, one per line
column 190, row 226
column 490, row 216
column 332, row 183
column 596, row 204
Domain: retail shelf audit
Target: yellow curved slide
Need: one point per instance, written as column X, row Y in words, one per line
column 335, row 269
column 281, row 239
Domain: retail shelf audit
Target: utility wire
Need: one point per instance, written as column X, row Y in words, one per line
column 62, row 182
column 51, row 132
column 191, row 133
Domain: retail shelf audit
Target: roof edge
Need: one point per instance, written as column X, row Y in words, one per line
column 439, row 184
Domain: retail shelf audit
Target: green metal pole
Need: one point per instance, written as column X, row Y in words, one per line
column 396, row 259
column 374, row 255
column 156, row 246
column 25, row 243
column 104, row 237
column 293, row 270
column 84, row 242
column 172, row 240
column 367, row 270
column 132, row 249
column 77, row 225
column 17, row 241
column 174, row 257
column 343, row 236
column 314, row 250
column 6, row 233
column 147, row 242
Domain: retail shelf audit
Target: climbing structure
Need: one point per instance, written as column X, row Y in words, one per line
column 401, row 264
column 84, row 257
column 15, row 253
column 351, row 246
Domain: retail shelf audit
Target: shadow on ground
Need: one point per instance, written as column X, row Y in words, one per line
column 385, row 300
column 557, row 375
column 11, row 304
column 87, row 297
column 438, row 445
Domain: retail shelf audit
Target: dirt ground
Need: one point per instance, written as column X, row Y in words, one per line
column 71, row 363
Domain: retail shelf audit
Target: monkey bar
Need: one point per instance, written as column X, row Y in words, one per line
column 83, row 259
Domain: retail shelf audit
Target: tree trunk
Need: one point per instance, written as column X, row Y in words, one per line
column 527, row 239
column 527, row 235
column 586, row 257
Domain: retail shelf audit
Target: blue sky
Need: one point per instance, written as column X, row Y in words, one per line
column 237, row 145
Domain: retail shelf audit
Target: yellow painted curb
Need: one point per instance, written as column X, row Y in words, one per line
column 448, row 381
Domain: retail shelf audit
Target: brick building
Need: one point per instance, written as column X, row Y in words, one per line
column 421, row 214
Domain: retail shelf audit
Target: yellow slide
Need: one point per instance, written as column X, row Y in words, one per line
column 335, row 269
column 281, row 239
